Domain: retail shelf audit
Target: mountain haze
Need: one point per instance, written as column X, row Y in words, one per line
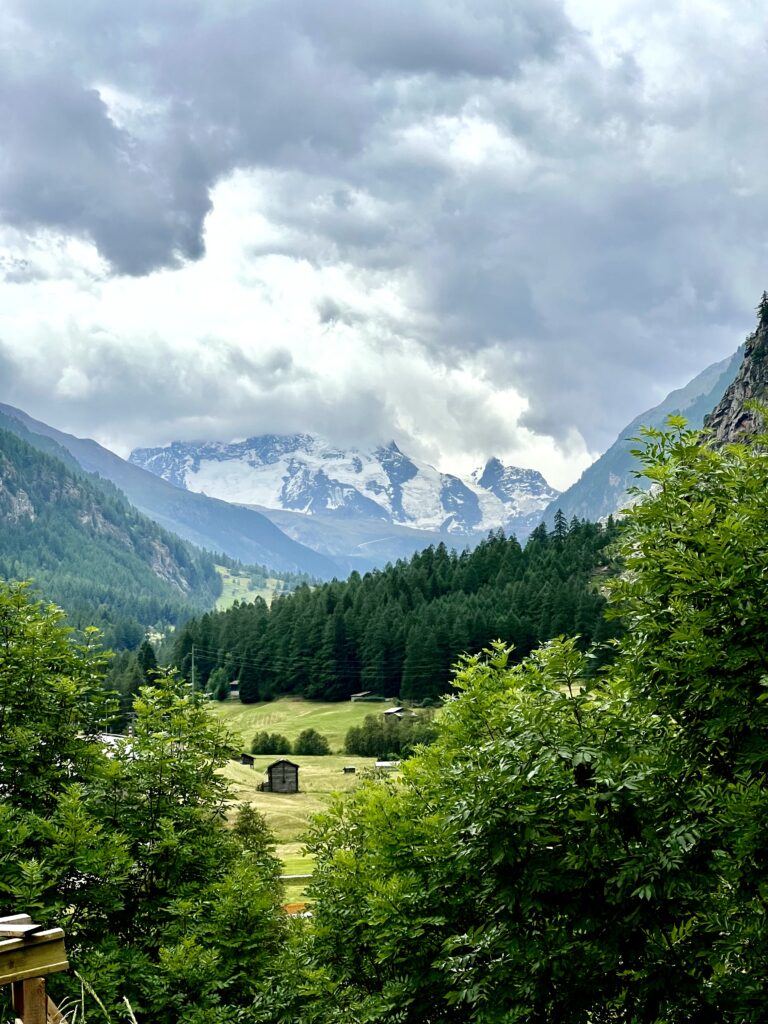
column 601, row 490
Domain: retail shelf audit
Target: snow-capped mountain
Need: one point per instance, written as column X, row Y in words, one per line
column 304, row 473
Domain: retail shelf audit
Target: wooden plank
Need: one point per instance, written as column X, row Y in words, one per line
column 55, row 1016
column 18, row 930
column 35, row 1006
column 33, row 957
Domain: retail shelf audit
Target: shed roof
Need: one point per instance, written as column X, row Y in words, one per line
column 282, row 760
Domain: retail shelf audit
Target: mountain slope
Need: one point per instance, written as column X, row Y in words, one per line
column 601, row 489
column 731, row 420
column 241, row 533
column 89, row 551
column 306, row 474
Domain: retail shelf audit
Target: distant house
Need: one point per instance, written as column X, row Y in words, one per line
column 246, row 759
column 396, row 712
column 349, row 769
column 282, row 777
column 361, row 695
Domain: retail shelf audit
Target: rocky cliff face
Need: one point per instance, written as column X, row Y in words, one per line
column 731, row 420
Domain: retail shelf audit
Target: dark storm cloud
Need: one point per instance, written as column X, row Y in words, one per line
column 66, row 165
column 597, row 226
column 291, row 84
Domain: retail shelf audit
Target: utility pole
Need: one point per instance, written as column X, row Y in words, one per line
column 193, row 666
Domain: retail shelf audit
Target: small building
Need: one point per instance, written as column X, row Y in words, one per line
column 360, row 696
column 349, row 769
column 394, row 712
column 282, row 777
column 388, row 766
column 246, row 759
column 234, row 689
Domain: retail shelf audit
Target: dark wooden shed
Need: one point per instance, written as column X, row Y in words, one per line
column 282, row 777
column 246, row 759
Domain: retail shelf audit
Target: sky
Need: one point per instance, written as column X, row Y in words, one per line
column 476, row 227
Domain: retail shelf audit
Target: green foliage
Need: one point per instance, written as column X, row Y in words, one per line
column 399, row 632
column 51, row 703
column 270, row 743
column 218, row 686
column 575, row 847
column 147, row 661
column 382, row 735
column 311, row 742
column 128, row 852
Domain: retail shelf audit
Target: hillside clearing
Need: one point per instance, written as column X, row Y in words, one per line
column 291, row 715
column 239, row 587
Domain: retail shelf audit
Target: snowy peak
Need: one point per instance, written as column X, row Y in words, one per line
column 522, row 487
column 304, row 473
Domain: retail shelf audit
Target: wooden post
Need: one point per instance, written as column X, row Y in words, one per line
column 27, row 954
column 30, row 1003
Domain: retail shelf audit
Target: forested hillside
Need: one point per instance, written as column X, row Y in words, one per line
column 88, row 550
column 399, row 631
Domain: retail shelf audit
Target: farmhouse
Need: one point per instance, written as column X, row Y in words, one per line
column 282, row 777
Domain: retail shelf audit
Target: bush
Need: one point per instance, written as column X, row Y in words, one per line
column 311, row 742
column 270, row 743
column 390, row 737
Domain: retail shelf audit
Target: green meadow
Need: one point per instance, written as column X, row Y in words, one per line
column 290, row 716
column 237, row 587
column 288, row 814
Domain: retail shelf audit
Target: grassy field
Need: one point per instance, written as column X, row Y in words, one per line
column 288, row 814
column 290, row 716
column 238, row 588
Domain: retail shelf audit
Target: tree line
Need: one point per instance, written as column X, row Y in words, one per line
column 399, row 631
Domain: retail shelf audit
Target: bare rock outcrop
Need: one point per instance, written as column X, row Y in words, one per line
column 731, row 420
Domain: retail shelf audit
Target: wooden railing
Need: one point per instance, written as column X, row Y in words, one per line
column 29, row 952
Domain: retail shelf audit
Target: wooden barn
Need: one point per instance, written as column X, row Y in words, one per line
column 282, row 777
column 246, row 759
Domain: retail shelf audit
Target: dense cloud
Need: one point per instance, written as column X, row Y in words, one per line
column 558, row 210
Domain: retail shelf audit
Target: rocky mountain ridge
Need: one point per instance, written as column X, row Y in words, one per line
column 732, row 418
column 305, row 474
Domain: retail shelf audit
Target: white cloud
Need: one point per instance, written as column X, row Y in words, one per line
column 506, row 233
